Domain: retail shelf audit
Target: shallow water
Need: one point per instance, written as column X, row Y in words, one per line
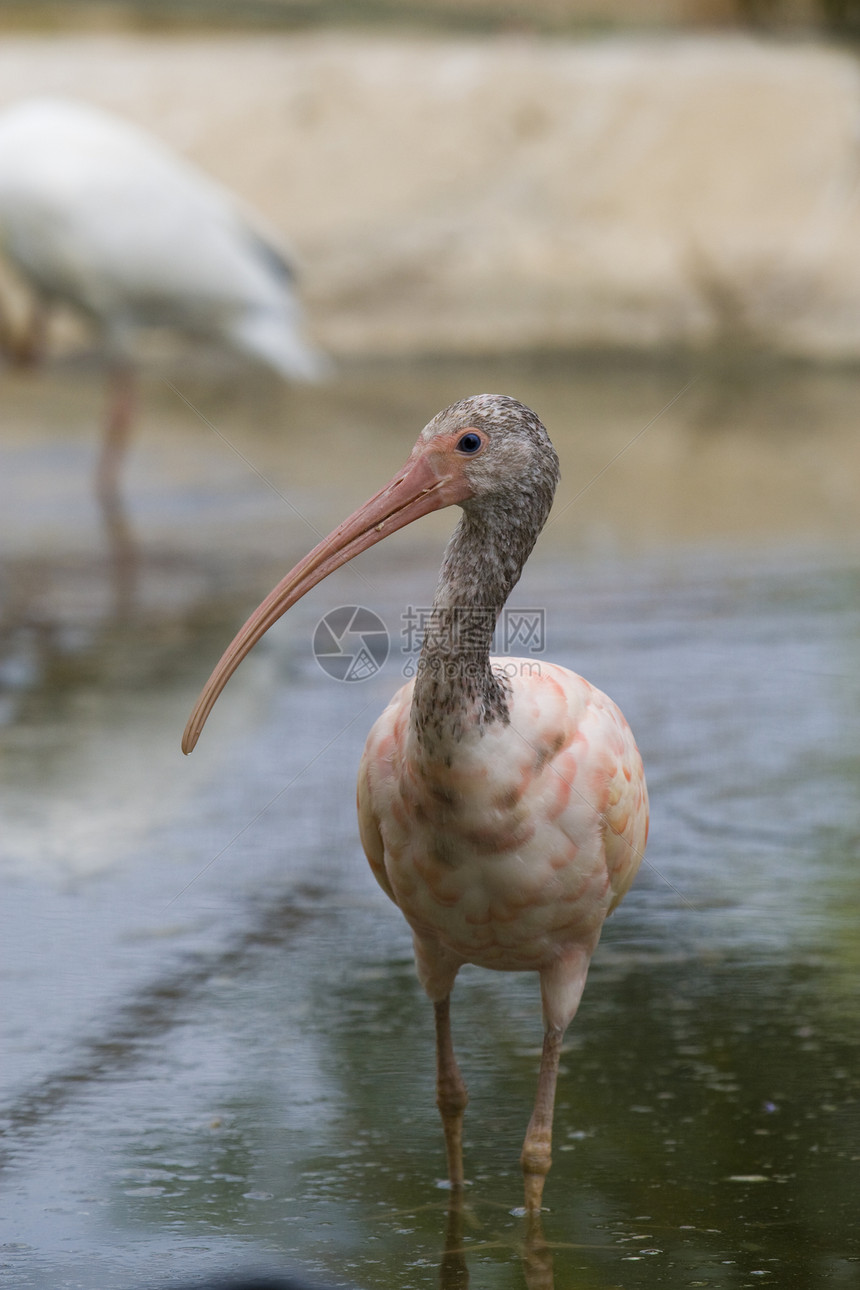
column 216, row 1053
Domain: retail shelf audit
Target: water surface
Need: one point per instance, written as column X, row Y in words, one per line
column 216, row 1052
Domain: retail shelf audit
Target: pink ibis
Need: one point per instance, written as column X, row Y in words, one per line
column 98, row 215
column 502, row 803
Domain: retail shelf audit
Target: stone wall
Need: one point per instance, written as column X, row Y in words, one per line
column 479, row 195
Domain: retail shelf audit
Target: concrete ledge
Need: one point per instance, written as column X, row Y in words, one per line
column 512, row 194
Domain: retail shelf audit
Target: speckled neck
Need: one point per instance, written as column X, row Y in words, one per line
column 456, row 688
column 513, row 481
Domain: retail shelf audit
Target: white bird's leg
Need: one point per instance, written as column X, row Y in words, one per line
column 24, row 346
column 451, row 1094
column 7, row 331
column 121, row 404
column 33, row 341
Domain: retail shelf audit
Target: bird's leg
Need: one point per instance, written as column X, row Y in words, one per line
column 24, row 346
column 32, row 343
column 7, row 331
column 121, row 402
column 561, row 985
column 451, row 1094
column 536, row 1156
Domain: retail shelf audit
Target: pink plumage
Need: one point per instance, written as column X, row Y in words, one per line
column 509, row 851
column 502, row 802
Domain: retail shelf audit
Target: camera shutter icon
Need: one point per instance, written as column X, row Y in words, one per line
column 351, row 643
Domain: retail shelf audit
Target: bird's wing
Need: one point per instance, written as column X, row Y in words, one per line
column 626, row 831
column 620, row 787
column 272, row 255
column 368, row 828
column 378, row 780
column 589, row 761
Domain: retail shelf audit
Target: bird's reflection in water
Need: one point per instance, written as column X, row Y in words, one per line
column 534, row 1251
column 453, row 1270
column 123, row 554
column 537, row 1256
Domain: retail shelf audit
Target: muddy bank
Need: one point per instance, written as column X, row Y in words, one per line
column 467, row 195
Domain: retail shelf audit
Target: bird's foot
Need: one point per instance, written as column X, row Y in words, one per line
column 536, row 1160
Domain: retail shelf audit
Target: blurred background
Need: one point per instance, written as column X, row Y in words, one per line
column 221, row 335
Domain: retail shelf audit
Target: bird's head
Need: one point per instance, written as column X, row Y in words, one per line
column 499, row 451
column 488, row 454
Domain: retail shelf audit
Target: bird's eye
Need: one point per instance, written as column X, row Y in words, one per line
column 469, row 443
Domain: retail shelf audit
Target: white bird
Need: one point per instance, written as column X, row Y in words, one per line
column 98, row 215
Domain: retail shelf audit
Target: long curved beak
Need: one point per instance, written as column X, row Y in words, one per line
column 424, row 484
